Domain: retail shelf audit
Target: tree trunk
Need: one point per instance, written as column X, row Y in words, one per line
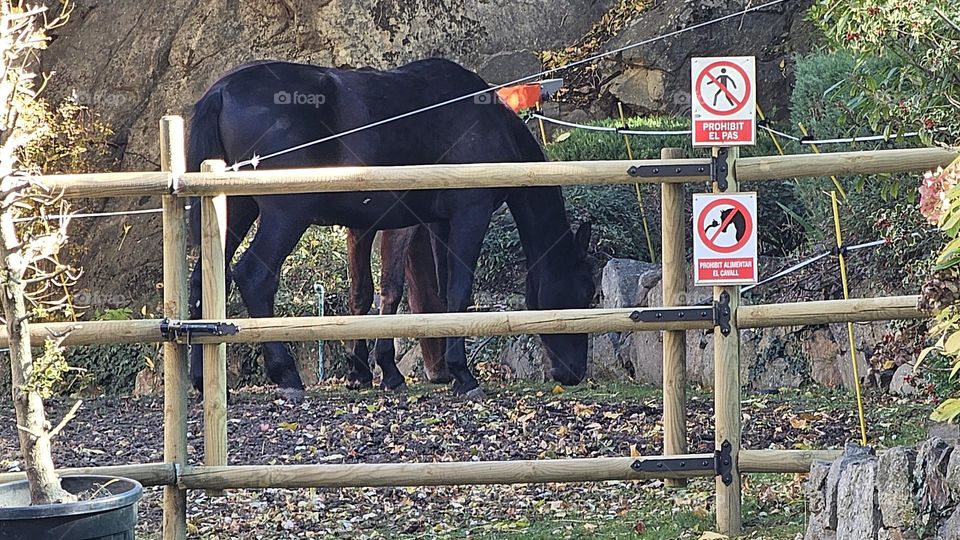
column 31, row 421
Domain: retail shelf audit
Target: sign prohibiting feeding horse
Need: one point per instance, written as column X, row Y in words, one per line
column 724, row 101
column 725, row 239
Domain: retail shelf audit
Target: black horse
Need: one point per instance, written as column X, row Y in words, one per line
column 265, row 107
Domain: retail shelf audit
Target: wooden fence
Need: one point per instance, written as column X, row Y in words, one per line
column 174, row 184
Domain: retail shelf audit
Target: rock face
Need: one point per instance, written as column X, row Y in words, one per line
column 905, row 494
column 655, row 78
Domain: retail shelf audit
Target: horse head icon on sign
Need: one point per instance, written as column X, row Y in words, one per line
column 729, row 226
column 730, row 217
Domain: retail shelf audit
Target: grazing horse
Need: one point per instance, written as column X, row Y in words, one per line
column 266, row 107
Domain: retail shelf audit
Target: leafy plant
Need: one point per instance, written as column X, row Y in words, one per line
column 905, row 73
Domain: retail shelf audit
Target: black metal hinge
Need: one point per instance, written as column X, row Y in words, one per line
column 664, row 171
column 719, row 313
column 723, row 462
column 721, row 465
column 174, row 330
column 718, row 169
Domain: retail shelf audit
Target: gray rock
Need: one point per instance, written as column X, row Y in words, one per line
column 901, row 383
column 953, row 476
column 897, row 534
column 930, row 476
column 857, row 515
column 950, row 530
column 620, row 283
column 526, row 359
column 411, row 363
column 852, row 453
column 944, row 430
column 895, row 487
column 815, row 487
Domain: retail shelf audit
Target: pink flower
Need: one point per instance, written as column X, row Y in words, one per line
column 934, row 192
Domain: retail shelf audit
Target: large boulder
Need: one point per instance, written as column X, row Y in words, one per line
column 620, row 282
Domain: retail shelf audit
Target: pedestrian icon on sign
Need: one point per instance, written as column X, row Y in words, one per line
column 724, row 83
column 724, row 101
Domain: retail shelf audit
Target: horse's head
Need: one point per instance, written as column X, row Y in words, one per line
column 565, row 286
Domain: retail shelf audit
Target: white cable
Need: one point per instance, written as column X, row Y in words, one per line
column 608, row 129
column 255, row 160
column 103, row 214
column 810, row 261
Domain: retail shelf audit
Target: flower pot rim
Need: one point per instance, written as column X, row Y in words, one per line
column 79, row 482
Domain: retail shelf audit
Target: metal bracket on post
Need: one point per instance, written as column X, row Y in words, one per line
column 718, row 169
column 173, row 329
column 719, row 313
column 666, row 171
column 721, row 464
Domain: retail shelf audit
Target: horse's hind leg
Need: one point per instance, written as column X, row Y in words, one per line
column 258, row 276
column 359, row 244
column 241, row 213
column 394, row 245
column 425, row 297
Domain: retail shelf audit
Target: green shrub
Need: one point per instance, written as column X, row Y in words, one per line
column 824, row 99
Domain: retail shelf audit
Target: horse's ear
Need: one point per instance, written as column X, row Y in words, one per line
column 582, row 236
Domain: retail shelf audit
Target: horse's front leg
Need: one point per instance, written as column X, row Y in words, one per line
column 359, row 244
column 467, row 230
column 257, row 275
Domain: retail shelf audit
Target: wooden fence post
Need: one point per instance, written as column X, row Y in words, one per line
column 674, row 286
column 726, row 360
column 213, row 236
column 173, row 159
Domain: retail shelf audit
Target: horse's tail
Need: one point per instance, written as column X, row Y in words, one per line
column 203, row 143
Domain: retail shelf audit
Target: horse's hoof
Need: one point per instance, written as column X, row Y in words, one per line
column 477, row 394
column 442, row 378
column 355, row 384
column 398, row 386
column 291, row 395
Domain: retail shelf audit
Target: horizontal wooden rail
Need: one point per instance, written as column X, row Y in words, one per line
column 474, row 175
column 886, row 308
column 843, row 163
column 116, row 184
column 428, row 474
column 479, row 324
column 475, row 472
column 486, row 175
column 148, row 474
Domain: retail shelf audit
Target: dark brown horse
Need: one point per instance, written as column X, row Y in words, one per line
column 405, row 255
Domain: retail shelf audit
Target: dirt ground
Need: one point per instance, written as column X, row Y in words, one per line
column 429, row 424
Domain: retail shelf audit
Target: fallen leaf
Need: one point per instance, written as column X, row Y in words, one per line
column 557, row 390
